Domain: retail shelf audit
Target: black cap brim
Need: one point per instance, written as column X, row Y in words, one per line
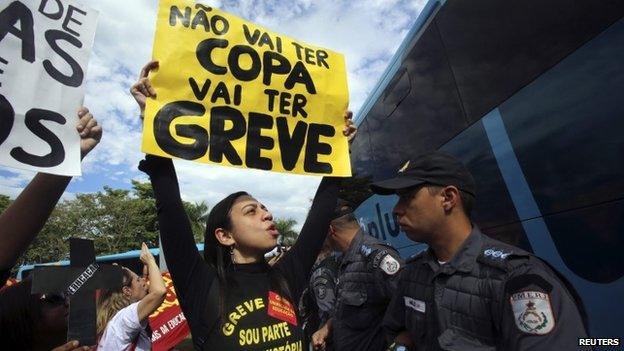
column 390, row 186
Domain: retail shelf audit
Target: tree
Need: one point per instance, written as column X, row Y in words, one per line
column 198, row 215
column 5, row 201
column 288, row 235
column 117, row 220
column 355, row 190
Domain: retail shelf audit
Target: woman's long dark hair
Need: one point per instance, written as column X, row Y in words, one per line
column 219, row 256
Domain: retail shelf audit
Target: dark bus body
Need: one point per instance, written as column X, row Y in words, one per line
column 530, row 96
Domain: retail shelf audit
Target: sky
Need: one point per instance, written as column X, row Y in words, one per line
column 366, row 32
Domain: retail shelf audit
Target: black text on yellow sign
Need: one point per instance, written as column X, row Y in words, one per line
column 233, row 93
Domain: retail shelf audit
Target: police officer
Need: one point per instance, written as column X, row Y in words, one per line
column 367, row 279
column 317, row 301
column 468, row 291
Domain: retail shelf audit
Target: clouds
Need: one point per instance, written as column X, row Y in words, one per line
column 367, row 32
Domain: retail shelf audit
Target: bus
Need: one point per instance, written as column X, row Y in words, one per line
column 129, row 259
column 529, row 95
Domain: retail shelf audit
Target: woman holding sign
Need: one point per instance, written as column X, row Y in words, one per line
column 232, row 298
column 123, row 313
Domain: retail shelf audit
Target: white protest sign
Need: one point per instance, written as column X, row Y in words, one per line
column 44, row 52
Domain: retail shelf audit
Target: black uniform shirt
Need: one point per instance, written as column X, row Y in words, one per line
column 366, row 282
column 490, row 296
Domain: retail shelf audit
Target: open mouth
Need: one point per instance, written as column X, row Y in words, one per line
column 272, row 229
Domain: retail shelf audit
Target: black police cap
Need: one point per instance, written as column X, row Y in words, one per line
column 435, row 168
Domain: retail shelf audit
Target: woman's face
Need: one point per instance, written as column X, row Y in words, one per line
column 138, row 287
column 252, row 226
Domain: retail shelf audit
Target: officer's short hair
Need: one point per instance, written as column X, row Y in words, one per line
column 344, row 220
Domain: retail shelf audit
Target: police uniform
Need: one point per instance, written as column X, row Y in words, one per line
column 317, row 301
column 323, row 284
column 367, row 280
column 490, row 296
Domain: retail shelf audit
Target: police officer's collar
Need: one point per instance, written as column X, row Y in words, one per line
column 464, row 259
column 354, row 247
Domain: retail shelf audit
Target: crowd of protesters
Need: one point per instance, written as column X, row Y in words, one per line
column 336, row 288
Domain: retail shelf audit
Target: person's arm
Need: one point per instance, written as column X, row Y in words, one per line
column 176, row 235
column 298, row 261
column 183, row 259
column 538, row 312
column 394, row 318
column 319, row 338
column 402, row 339
column 72, row 346
column 323, row 288
column 386, row 265
column 157, row 289
column 24, row 218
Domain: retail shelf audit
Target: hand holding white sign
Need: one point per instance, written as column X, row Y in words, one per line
column 44, row 51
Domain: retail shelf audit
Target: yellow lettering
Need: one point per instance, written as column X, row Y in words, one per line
column 249, row 336
column 259, row 303
column 240, row 310
column 234, row 317
column 286, row 329
column 228, row 329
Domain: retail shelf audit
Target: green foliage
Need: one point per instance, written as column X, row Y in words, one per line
column 288, row 235
column 5, row 201
column 117, row 220
column 355, row 190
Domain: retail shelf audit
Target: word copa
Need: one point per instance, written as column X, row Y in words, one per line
column 271, row 63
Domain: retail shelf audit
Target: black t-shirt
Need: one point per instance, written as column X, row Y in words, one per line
column 255, row 312
column 258, row 318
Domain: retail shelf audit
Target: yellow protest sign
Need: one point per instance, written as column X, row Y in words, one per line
column 233, row 93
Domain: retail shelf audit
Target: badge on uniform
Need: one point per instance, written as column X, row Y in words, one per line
column 389, row 265
column 414, row 304
column 532, row 312
column 320, row 291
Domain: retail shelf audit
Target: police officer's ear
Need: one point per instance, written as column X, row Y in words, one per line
column 450, row 197
column 224, row 237
column 331, row 232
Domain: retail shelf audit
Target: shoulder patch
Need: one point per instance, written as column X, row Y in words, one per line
column 532, row 312
column 496, row 254
column 386, row 262
column 497, row 257
column 365, row 250
column 390, row 265
column 321, row 292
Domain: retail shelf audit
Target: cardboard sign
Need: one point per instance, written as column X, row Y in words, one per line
column 44, row 51
column 78, row 283
column 233, row 93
